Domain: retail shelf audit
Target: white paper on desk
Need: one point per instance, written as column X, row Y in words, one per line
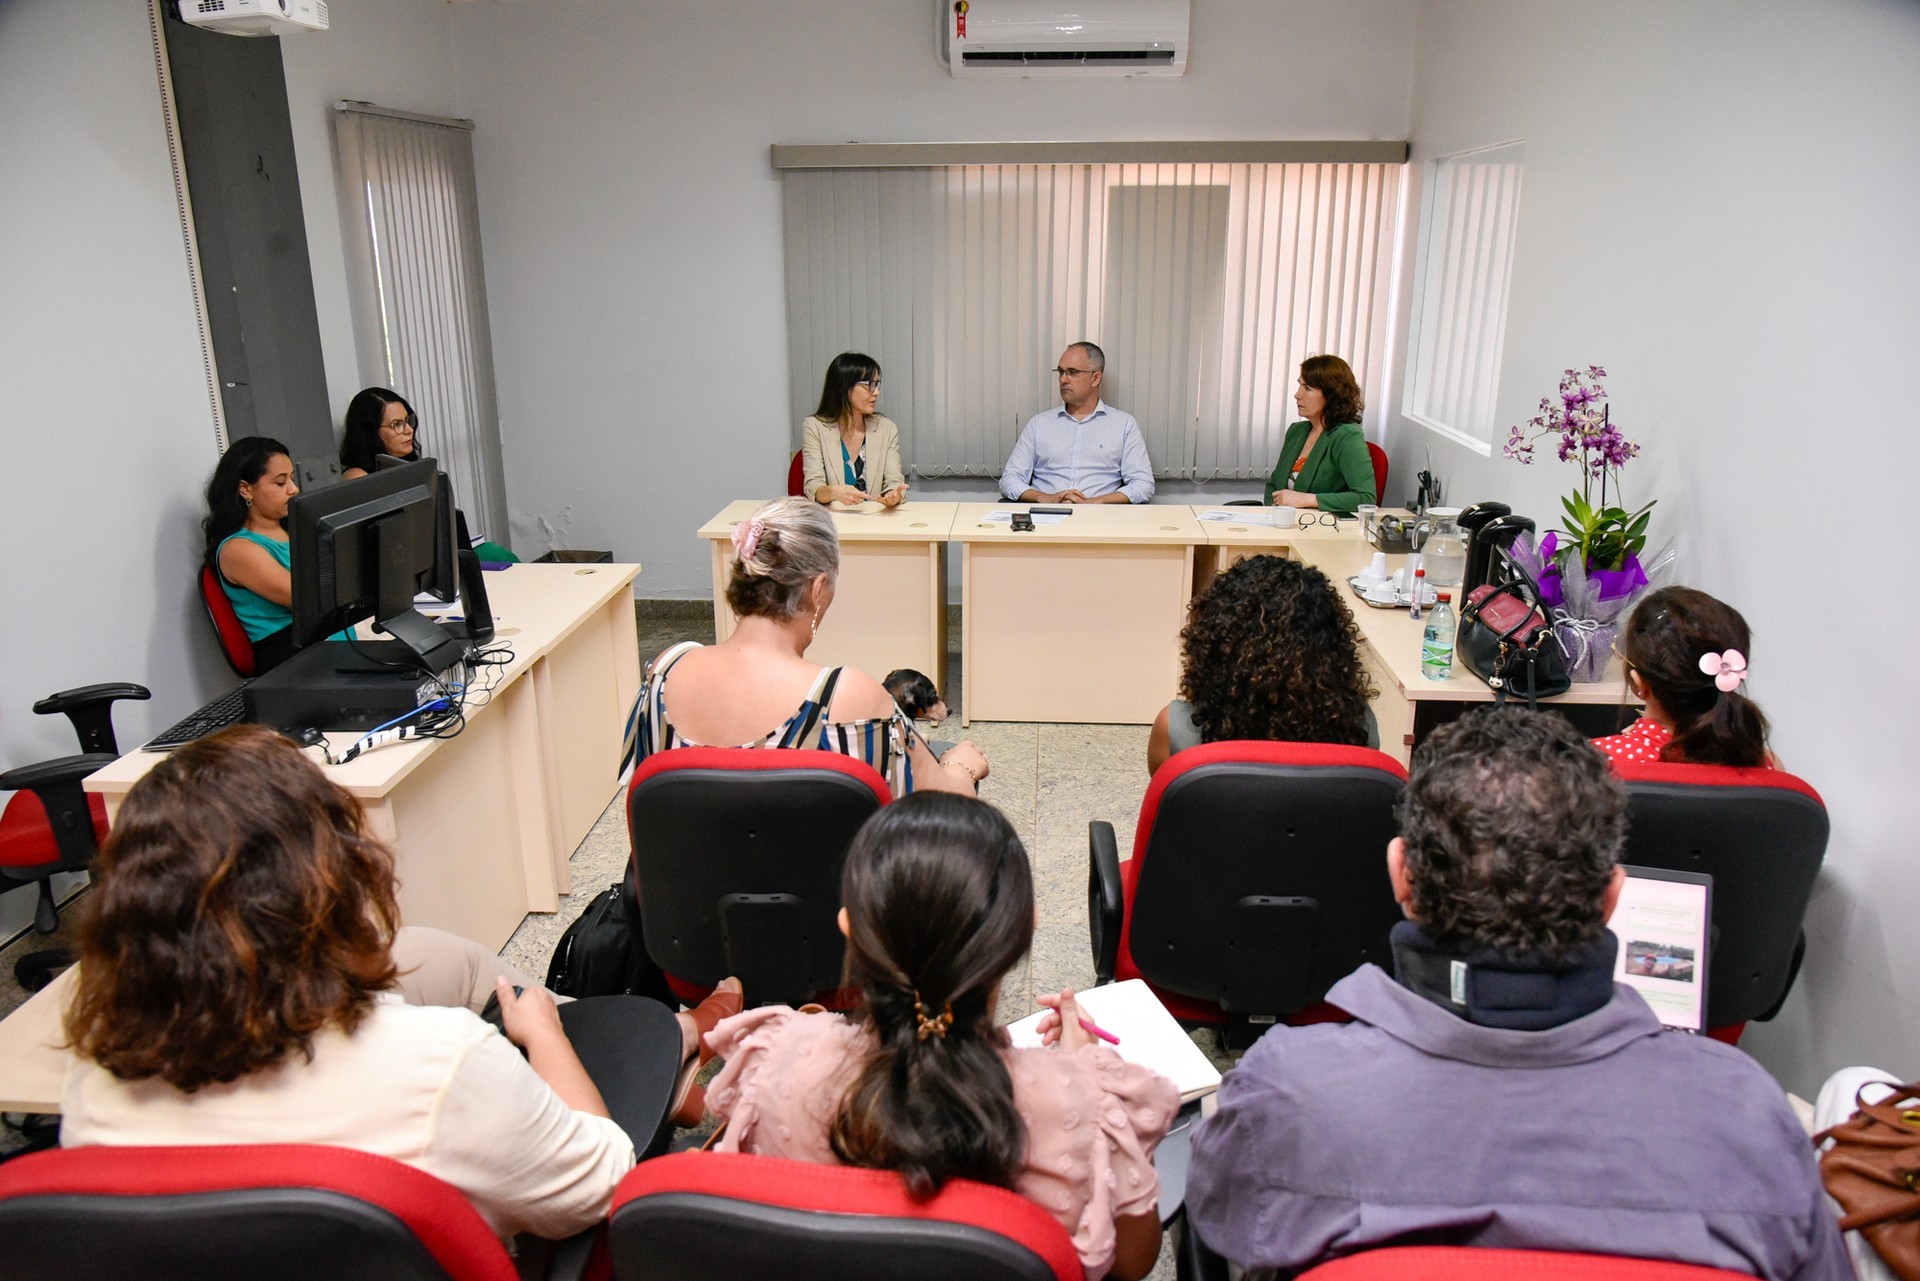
column 1148, row 1035
column 1239, row 516
column 1039, row 518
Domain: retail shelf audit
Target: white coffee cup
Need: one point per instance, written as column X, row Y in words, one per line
column 1285, row 517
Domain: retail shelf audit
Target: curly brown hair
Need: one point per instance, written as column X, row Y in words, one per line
column 1513, row 824
column 1272, row 653
column 239, row 908
column 1333, row 378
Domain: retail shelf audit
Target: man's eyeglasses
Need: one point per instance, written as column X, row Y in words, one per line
column 1073, row 373
column 871, row 384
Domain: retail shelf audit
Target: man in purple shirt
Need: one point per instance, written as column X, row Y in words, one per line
column 1086, row 451
column 1499, row 1089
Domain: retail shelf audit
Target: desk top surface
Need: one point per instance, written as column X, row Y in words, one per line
column 1112, row 523
column 910, row 522
column 535, row 608
column 33, row 1057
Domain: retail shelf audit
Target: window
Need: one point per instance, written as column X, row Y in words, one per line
column 420, row 298
column 1205, row 283
column 1460, row 310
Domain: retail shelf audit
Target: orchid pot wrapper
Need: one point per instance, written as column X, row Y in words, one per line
column 1587, row 606
column 1604, row 536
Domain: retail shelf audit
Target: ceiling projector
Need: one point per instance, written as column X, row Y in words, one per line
column 255, row 17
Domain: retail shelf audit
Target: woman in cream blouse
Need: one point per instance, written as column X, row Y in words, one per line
column 849, row 453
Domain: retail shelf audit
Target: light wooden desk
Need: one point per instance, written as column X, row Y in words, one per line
column 1078, row 621
column 890, row 604
column 482, row 824
column 1408, row 704
column 33, row 1058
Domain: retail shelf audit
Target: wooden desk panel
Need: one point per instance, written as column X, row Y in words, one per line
column 1076, row 622
column 33, row 1055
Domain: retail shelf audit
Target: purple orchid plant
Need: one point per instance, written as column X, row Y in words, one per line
column 1604, row 540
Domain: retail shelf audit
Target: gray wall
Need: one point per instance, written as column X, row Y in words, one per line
column 109, row 433
column 1719, row 208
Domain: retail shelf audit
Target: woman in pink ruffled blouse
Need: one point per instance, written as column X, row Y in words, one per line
column 938, row 907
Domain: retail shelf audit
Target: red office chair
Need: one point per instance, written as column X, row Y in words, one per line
column 235, row 647
column 1258, row 880
column 1379, row 457
column 736, row 866
column 1471, row 1263
column 51, row 824
column 718, row 1216
column 796, row 478
column 1761, row 834
column 291, row 1212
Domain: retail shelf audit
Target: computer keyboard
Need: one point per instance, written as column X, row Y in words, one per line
column 228, row 709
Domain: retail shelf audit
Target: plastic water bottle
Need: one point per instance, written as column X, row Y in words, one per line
column 1436, row 646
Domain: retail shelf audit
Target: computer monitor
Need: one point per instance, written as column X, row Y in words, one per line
column 365, row 547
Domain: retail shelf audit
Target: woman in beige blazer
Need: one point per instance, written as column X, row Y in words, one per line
column 849, row 453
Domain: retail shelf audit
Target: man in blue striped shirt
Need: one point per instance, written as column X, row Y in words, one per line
column 1086, row 451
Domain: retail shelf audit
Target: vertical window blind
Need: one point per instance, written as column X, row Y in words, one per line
column 420, row 298
column 1460, row 312
column 1206, row 284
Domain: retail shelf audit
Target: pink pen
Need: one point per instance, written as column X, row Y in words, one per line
column 1099, row 1031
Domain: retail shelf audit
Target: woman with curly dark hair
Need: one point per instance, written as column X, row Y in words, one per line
column 1269, row 652
column 244, row 978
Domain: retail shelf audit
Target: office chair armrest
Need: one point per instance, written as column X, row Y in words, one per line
column 1105, row 901
column 68, row 700
column 1192, row 1259
column 90, row 708
column 54, row 773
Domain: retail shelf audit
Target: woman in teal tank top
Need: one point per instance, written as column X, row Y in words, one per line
column 246, row 542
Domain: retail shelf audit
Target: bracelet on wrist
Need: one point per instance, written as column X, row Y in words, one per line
column 962, row 765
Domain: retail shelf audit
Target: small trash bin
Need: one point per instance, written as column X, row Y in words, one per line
column 567, row 556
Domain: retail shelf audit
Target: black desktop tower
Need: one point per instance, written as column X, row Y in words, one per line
column 338, row 686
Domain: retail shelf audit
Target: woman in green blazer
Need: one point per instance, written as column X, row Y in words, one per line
column 1320, row 465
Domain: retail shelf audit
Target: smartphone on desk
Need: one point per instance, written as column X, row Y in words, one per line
column 1050, row 511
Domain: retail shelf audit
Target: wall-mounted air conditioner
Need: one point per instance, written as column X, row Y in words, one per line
column 255, row 17
column 1063, row 38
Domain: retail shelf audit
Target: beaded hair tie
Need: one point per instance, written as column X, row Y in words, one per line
column 932, row 1025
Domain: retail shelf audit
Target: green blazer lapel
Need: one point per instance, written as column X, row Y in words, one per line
column 1315, row 475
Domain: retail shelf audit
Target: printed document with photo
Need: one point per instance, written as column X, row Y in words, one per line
column 1661, row 922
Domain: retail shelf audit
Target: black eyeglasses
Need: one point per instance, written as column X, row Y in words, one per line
column 409, row 422
column 1074, row 373
column 1317, row 518
column 871, row 384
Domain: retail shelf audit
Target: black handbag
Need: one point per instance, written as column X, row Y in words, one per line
column 598, row 955
column 1506, row 638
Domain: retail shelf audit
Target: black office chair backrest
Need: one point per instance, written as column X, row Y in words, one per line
column 1262, row 872
column 736, row 861
column 719, row 1216
column 279, row 1213
column 1761, row 835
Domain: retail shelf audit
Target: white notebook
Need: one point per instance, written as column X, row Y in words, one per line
column 1148, row 1035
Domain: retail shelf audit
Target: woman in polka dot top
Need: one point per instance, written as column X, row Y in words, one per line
column 1686, row 657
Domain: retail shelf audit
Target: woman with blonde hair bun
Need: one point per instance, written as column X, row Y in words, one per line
column 757, row 687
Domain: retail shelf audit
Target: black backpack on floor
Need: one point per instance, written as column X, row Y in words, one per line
column 598, row 955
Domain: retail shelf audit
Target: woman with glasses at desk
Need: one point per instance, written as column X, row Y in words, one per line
column 849, row 453
column 379, row 423
column 1323, row 460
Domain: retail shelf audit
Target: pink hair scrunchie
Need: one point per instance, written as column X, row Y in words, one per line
column 1728, row 669
column 746, row 536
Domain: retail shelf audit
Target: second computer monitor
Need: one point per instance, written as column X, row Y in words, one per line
column 365, row 547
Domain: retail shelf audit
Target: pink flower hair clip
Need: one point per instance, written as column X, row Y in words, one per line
column 1728, row 669
column 746, row 536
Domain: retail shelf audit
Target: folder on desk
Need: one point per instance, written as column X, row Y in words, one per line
column 1148, row 1035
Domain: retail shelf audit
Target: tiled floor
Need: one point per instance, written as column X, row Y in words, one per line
column 1050, row 781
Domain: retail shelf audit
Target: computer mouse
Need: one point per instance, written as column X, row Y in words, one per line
column 306, row 736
